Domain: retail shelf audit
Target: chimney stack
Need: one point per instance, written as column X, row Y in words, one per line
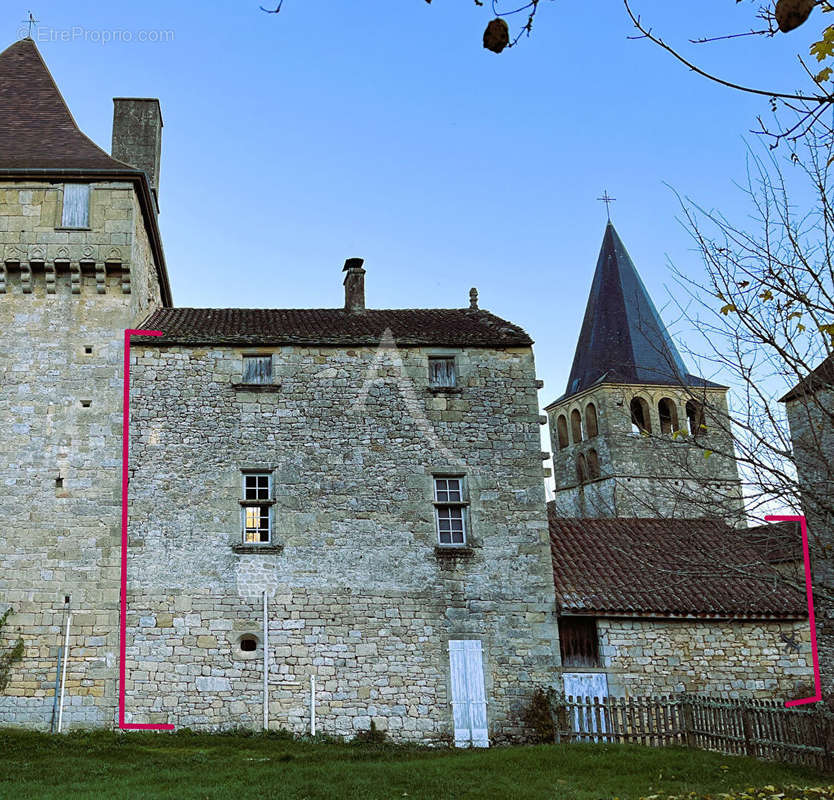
column 137, row 136
column 354, row 285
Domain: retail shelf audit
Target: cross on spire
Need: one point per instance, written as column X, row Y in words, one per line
column 607, row 200
column 31, row 22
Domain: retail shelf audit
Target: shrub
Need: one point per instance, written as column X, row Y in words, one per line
column 7, row 659
column 372, row 736
column 539, row 717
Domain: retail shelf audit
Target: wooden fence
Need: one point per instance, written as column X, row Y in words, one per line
column 760, row 728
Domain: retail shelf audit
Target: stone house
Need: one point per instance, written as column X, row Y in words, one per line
column 329, row 510
column 337, row 511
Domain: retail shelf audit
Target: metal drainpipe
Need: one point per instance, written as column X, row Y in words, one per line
column 266, row 666
column 312, row 705
column 64, row 669
column 54, row 721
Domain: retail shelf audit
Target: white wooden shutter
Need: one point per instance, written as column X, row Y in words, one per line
column 76, row 213
column 468, row 695
column 585, row 686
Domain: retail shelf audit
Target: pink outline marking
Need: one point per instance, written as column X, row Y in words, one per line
column 809, row 592
column 123, row 594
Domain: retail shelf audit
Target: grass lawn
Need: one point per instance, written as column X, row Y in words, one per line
column 101, row 765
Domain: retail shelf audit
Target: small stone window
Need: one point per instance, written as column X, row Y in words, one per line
column 581, row 468
column 256, row 507
column 76, row 211
column 695, row 417
column 248, row 644
column 562, row 431
column 640, row 419
column 593, row 465
column 257, row 369
column 579, row 642
column 576, row 426
column 442, row 372
column 88, row 350
column 450, row 510
column 591, row 428
column 668, row 415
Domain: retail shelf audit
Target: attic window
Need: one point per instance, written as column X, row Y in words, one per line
column 579, row 642
column 442, row 371
column 257, row 369
column 76, row 212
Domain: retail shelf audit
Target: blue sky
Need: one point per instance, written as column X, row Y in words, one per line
column 384, row 130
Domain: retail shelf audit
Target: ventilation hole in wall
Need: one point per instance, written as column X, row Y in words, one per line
column 88, row 350
column 248, row 644
column 86, row 403
column 59, row 483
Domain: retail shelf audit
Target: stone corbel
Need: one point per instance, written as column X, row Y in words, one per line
column 125, row 278
column 49, row 271
column 101, row 277
column 26, row 277
column 75, row 277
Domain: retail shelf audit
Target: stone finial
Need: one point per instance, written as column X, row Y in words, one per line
column 473, row 298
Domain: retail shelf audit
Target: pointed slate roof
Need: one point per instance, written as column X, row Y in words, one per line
column 623, row 339
column 37, row 130
column 40, row 139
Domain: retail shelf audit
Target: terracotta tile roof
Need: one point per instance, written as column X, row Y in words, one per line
column 37, row 130
column 820, row 378
column 450, row 327
column 655, row 567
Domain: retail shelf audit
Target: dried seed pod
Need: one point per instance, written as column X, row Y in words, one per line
column 791, row 14
column 496, row 35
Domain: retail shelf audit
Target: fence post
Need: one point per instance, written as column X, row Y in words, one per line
column 747, row 725
column 688, row 721
column 562, row 720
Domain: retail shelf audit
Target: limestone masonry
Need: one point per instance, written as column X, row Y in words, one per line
column 336, row 517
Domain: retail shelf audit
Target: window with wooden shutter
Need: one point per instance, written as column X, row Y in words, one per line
column 442, row 371
column 469, row 703
column 76, row 212
column 578, row 642
column 257, row 369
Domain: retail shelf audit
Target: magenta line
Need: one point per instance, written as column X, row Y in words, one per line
column 123, row 594
column 809, row 593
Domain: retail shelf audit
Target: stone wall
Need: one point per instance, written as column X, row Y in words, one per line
column 358, row 595
column 64, row 292
column 734, row 658
column 656, row 475
column 812, row 434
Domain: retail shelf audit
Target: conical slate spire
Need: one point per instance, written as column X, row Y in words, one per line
column 623, row 339
column 37, row 130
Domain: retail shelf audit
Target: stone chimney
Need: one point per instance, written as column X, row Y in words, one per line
column 137, row 136
column 354, row 285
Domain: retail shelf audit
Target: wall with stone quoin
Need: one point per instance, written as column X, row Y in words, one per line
column 61, row 292
column 358, row 596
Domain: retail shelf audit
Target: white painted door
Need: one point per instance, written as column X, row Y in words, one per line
column 582, row 685
column 468, row 696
